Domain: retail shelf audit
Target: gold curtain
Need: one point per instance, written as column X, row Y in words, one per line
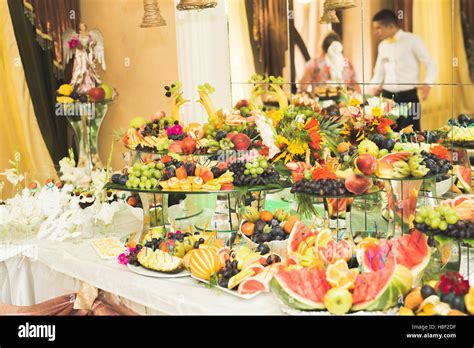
column 19, row 129
column 438, row 36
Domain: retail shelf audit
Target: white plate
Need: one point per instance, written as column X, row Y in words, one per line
column 232, row 292
column 120, row 248
column 154, row 274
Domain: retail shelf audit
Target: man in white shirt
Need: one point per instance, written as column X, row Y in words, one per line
column 397, row 70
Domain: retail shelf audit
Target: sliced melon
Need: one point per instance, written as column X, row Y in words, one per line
column 382, row 288
column 301, row 288
column 464, row 178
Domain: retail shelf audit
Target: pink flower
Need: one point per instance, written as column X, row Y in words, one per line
column 177, row 129
column 123, row 259
column 73, row 43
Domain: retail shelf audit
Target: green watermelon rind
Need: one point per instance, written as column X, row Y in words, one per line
column 292, row 299
column 400, row 284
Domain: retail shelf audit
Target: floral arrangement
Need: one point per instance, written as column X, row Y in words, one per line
column 360, row 122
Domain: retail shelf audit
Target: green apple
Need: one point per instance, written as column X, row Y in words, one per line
column 338, row 301
column 368, row 146
column 179, row 249
column 189, row 243
column 137, row 122
column 109, row 91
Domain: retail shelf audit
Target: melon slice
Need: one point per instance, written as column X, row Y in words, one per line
column 410, row 250
column 464, row 178
column 302, row 289
column 299, row 233
column 257, row 283
column 379, row 291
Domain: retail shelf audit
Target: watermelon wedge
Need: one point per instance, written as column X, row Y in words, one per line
column 302, row 289
column 298, row 234
column 380, row 290
column 464, row 178
column 410, row 250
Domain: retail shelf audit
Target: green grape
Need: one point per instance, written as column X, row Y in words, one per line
column 423, row 212
column 428, row 221
column 435, row 223
column 248, row 165
column 160, row 147
column 264, row 164
column 434, row 215
column 154, row 182
column 246, row 172
column 166, row 146
column 160, row 166
column 451, row 219
column 255, row 164
column 137, row 173
column 254, row 176
column 146, row 173
column 151, row 165
column 129, row 184
column 419, row 219
column 259, row 170
column 443, row 225
column 157, row 174
column 136, row 166
column 253, row 171
column 134, row 184
column 148, row 185
column 142, row 185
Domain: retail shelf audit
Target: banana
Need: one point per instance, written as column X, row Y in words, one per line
column 401, row 169
column 414, row 162
column 421, row 171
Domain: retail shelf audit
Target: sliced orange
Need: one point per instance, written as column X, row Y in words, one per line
column 323, row 238
column 339, row 275
column 306, row 244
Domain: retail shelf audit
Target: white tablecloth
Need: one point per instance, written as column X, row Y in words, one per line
column 41, row 270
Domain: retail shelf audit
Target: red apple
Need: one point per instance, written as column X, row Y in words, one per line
column 358, row 184
column 97, row 94
column 188, row 145
column 366, row 164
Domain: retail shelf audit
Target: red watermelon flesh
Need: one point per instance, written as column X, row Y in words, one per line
column 410, row 250
column 310, row 284
column 368, row 285
column 298, row 234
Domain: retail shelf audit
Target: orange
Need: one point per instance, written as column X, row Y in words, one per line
column 323, row 238
column 340, row 276
column 266, row 215
column 414, row 299
column 456, row 312
column 290, row 222
column 343, row 147
column 131, row 244
column 248, row 228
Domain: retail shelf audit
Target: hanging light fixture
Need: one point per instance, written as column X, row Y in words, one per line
column 329, row 16
column 152, row 16
column 185, row 5
column 339, row 4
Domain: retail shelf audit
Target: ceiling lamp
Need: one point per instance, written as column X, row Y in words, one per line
column 152, row 16
column 185, row 5
column 339, row 4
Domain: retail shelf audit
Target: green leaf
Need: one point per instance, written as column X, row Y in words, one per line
column 469, row 242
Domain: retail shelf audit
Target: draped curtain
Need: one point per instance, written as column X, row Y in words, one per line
column 270, row 34
column 442, row 103
column 50, row 17
column 18, row 124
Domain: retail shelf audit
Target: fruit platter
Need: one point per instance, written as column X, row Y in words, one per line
column 460, row 131
column 266, row 231
column 322, row 274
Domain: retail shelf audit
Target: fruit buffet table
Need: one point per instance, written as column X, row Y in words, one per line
column 38, row 270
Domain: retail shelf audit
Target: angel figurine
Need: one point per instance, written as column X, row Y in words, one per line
column 87, row 47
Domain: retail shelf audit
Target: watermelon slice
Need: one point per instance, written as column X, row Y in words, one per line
column 301, row 288
column 298, row 234
column 464, row 178
column 257, row 283
column 410, row 250
column 380, row 290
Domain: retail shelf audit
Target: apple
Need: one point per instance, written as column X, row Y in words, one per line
column 109, row 91
column 366, row 164
column 368, row 146
column 138, row 122
column 338, row 301
column 358, row 184
column 97, row 94
column 158, row 116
